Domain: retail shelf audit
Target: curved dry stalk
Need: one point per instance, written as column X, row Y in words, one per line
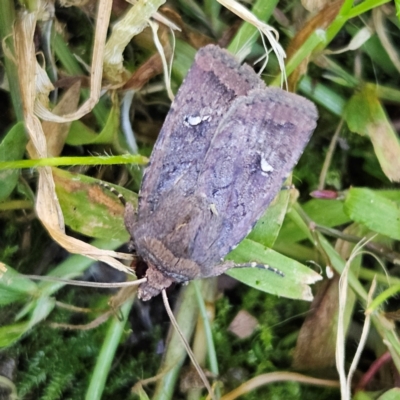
column 47, row 205
column 186, row 345
column 383, row 34
column 96, row 73
column 271, row 33
column 363, row 339
column 345, row 382
column 98, row 285
column 71, row 308
column 271, row 377
column 84, row 327
column 166, row 68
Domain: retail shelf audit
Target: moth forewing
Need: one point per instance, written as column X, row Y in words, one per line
column 225, row 148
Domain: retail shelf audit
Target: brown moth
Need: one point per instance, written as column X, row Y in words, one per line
column 226, row 146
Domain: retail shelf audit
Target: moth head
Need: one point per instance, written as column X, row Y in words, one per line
column 156, row 282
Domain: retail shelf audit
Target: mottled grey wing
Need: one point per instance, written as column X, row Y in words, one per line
column 255, row 147
column 213, row 82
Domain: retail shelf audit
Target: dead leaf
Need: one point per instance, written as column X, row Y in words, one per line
column 243, row 325
column 54, row 132
column 321, row 21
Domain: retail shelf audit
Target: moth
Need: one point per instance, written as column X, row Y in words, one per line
column 226, row 147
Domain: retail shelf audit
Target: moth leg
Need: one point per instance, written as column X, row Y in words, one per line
column 130, row 218
column 221, row 268
column 120, row 196
column 130, row 215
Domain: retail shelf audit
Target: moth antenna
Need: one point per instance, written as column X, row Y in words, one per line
column 260, row 266
column 186, row 344
column 120, row 196
column 86, row 284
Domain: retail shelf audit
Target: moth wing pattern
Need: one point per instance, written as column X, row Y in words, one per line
column 255, row 147
column 225, row 148
column 212, row 83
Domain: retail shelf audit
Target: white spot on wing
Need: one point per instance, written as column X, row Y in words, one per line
column 213, row 209
column 266, row 167
column 194, row 120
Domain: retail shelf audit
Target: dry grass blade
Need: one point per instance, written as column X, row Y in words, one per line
column 47, row 205
column 345, row 382
column 363, row 339
column 270, row 32
column 266, row 379
column 96, row 73
column 187, row 346
column 98, row 285
column 392, row 49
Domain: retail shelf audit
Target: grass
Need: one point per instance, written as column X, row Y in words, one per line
column 62, row 342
